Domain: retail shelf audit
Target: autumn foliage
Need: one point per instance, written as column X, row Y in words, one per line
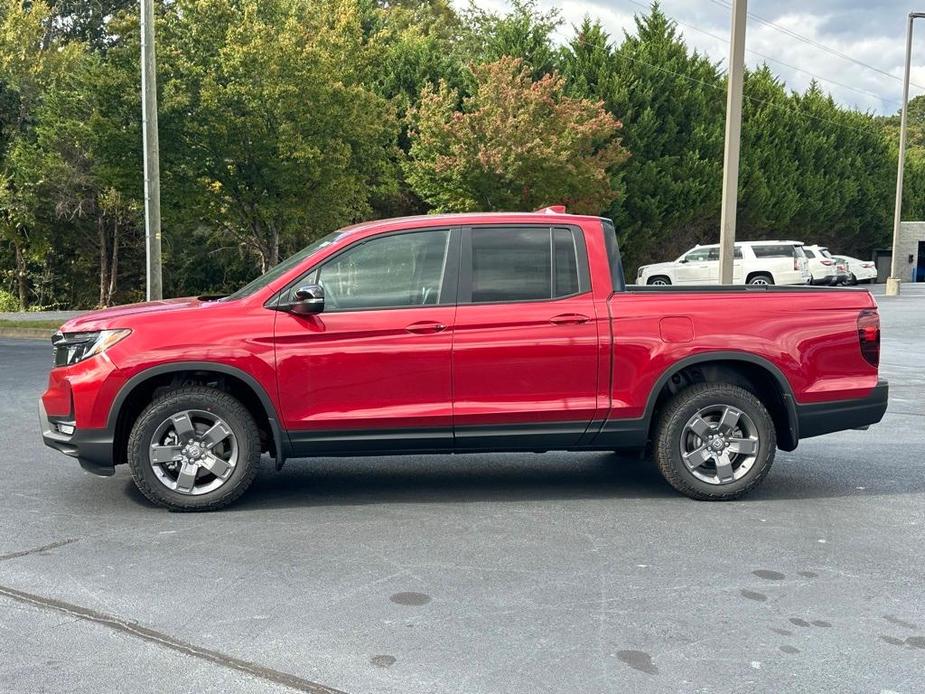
column 514, row 144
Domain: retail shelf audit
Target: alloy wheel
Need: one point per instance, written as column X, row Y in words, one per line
column 719, row 444
column 193, row 452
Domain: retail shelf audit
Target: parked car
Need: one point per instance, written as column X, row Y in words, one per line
column 754, row 262
column 858, row 270
column 842, row 276
column 460, row 334
column 822, row 265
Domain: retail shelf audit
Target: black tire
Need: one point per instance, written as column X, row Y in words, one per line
column 761, row 278
column 852, row 279
column 670, row 429
column 204, row 399
column 661, row 280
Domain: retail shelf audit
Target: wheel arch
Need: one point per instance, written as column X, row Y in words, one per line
column 755, row 373
column 762, row 273
column 140, row 388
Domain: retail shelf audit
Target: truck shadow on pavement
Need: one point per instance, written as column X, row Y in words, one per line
column 522, row 478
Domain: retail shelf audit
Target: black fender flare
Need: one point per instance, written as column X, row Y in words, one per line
column 744, row 357
column 280, row 440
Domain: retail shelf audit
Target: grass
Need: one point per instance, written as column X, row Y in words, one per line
column 38, row 324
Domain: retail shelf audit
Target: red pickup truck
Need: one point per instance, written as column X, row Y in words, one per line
column 460, row 334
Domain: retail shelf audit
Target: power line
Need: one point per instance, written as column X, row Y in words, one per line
column 753, row 99
column 777, row 60
column 816, row 44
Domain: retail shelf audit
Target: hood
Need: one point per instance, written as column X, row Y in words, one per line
column 112, row 317
column 656, row 267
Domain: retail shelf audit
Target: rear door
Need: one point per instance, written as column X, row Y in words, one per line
column 525, row 344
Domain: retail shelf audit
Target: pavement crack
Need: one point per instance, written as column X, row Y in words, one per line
column 37, row 550
column 165, row 640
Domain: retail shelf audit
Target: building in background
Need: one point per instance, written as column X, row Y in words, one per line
column 911, row 245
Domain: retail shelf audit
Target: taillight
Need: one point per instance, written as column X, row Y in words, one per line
column 869, row 335
column 796, row 264
column 827, row 262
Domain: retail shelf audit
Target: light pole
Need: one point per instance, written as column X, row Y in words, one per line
column 894, row 280
column 152, row 169
column 727, row 231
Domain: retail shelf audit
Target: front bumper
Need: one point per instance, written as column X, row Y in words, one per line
column 827, row 417
column 91, row 447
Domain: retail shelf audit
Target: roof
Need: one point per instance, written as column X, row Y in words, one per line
column 755, row 243
column 551, row 213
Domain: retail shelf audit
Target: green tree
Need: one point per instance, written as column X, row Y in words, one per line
column 670, row 102
column 525, row 32
column 267, row 117
column 516, row 144
column 32, row 64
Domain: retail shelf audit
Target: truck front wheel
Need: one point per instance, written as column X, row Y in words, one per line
column 714, row 442
column 194, row 449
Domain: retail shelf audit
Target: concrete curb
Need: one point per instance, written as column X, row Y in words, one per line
column 28, row 333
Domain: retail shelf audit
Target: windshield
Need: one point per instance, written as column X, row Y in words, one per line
column 279, row 270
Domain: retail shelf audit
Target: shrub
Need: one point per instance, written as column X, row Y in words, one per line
column 8, row 302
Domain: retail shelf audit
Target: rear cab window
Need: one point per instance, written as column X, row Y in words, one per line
column 506, row 264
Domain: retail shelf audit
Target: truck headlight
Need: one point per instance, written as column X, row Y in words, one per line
column 71, row 348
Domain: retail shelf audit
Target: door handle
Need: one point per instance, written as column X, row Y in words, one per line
column 425, row 328
column 569, row 319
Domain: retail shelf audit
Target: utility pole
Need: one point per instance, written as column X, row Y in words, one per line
column 152, row 169
column 727, row 232
column 894, row 280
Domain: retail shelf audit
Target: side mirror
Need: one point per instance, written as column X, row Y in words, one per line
column 682, row 259
column 306, row 300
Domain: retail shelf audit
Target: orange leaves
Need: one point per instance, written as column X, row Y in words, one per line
column 513, row 144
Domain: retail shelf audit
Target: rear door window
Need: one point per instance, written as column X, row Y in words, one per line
column 510, row 264
column 776, row 251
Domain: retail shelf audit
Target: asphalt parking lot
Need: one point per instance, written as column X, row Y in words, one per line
column 491, row 573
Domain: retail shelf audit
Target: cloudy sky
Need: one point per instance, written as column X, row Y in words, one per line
column 871, row 32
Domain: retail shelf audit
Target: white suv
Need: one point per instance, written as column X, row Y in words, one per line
column 755, row 262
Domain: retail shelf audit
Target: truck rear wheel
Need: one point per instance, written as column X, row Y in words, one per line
column 715, row 442
column 194, row 449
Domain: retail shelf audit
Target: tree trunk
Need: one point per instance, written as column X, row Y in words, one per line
column 22, row 278
column 262, row 250
column 104, row 260
column 114, row 264
column 274, row 245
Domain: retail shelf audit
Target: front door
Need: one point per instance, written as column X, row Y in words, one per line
column 372, row 370
column 525, row 346
column 696, row 268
